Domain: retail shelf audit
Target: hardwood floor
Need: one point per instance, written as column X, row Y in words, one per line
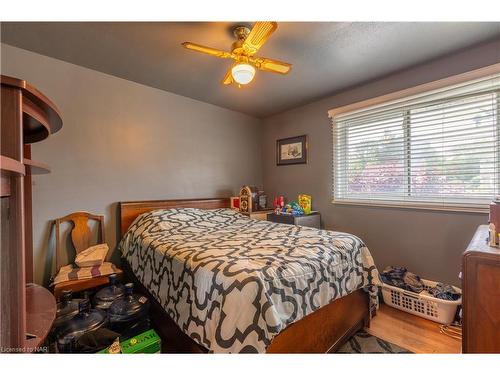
column 411, row 332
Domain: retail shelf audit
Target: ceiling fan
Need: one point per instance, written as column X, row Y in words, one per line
column 247, row 43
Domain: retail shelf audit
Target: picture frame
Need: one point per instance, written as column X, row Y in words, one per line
column 292, row 150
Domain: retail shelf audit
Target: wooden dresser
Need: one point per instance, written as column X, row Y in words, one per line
column 27, row 310
column 481, row 295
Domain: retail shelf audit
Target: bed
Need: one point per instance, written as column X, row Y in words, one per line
column 221, row 282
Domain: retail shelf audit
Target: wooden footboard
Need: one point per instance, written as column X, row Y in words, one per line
column 326, row 329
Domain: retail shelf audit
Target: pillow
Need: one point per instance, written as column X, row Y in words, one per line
column 93, row 256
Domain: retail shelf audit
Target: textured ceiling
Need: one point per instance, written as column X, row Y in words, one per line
column 326, row 57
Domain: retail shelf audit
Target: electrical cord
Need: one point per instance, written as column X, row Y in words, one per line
column 453, row 330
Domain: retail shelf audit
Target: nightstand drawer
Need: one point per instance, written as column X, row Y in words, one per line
column 313, row 220
column 257, row 215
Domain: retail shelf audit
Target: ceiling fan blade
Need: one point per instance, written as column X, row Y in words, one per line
column 271, row 65
column 208, row 50
column 228, row 78
column 259, row 34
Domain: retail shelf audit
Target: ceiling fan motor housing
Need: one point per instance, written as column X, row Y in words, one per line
column 240, row 33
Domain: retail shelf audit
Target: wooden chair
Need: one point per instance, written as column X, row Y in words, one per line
column 81, row 237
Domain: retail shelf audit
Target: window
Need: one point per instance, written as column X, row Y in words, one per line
column 438, row 149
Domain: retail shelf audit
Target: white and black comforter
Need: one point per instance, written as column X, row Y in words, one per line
column 232, row 283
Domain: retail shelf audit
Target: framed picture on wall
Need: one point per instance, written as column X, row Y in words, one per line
column 291, row 150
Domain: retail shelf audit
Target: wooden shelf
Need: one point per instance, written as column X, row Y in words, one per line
column 27, row 311
column 36, row 167
column 41, row 117
column 35, row 128
column 11, row 166
column 40, row 314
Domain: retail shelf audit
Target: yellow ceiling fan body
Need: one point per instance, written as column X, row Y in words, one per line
column 247, row 44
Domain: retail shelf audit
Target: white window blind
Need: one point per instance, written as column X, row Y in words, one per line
column 440, row 148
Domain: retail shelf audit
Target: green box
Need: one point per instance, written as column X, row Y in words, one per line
column 146, row 342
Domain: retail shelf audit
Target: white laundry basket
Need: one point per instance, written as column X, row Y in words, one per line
column 422, row 304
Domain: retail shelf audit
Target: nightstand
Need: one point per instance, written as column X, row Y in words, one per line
column 258, row 215
column 312, row 220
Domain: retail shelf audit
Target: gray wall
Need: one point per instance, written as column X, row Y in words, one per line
column 429, row 243
column 125, row 141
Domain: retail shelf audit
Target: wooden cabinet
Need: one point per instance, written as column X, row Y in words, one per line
column 481, row 295
column 312, row 220
column 27, row 116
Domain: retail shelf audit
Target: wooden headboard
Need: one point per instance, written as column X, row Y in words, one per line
column 130, row 210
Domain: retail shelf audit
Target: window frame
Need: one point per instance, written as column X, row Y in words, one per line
column 402, row 96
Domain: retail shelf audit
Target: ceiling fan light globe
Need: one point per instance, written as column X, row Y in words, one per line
column 243, row 73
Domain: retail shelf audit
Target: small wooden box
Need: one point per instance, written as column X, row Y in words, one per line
column 249, row 199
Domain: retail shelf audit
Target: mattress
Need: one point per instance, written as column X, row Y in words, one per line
column 232, row 283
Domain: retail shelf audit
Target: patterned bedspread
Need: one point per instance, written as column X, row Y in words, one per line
column 232, row 283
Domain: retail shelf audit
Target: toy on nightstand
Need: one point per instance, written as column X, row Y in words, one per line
column 235, row 203
column 278, row 204
column 293, row 208
column 303, row 206
column 305, row 202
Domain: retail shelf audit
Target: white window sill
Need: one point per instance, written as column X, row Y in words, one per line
column 480, row 208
